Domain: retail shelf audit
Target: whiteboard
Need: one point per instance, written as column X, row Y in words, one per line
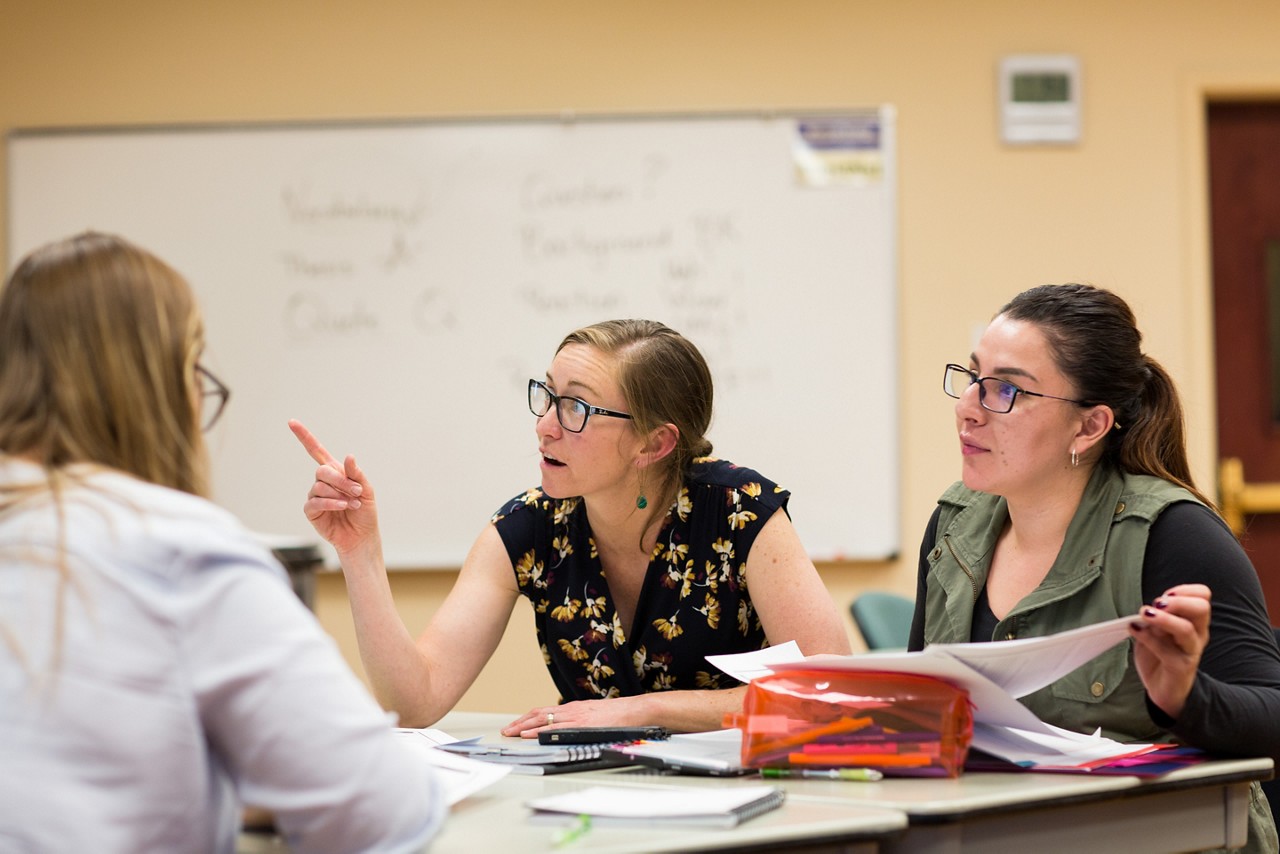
column 395, row 285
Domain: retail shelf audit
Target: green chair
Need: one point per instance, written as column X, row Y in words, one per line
column 884, row 619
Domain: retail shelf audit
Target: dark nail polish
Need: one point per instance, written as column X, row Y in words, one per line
column 1161, row 604
column 1137, row 627
column 1148, row 612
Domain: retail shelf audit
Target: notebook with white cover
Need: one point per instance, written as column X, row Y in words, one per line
column 658, row 805
column 717, row 753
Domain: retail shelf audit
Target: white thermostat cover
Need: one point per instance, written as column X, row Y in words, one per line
column 1040, row 99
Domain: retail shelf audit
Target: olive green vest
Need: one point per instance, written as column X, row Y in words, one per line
column 1097, row 576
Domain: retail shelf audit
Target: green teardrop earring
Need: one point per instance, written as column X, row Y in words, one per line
column 642, row 502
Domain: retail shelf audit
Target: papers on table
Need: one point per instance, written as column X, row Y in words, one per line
column 717, row 753
column 994, row 674
column 459, row 776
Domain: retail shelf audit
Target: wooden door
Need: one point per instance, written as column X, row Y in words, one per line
column 1244, row 203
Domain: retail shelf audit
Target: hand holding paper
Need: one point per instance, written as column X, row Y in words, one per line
column 993, row 674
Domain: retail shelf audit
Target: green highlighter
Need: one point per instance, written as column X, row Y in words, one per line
column 864, row 774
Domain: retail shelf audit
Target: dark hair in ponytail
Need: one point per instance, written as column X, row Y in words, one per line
column 1096, row 344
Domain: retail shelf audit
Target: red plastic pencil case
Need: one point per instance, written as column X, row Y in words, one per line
column 901, row 724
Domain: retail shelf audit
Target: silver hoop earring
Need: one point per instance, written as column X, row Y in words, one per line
column 1075, row 461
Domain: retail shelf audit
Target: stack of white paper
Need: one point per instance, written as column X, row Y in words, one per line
column 994, row 674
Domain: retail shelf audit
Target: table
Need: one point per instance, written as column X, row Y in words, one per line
column 1201, row 806
column 1198, row 807
column 496, row 820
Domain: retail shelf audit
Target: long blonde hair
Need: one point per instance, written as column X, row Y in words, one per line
column 98, row 345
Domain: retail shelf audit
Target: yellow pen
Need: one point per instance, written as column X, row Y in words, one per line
column 572, row 832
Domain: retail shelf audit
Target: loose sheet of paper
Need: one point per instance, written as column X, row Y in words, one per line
column 745, row 666
column 458, row 776
column 994, row 674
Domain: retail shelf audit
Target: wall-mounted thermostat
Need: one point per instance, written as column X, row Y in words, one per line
column 1040, row 99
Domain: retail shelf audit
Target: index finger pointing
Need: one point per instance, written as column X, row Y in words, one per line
column 312, row 445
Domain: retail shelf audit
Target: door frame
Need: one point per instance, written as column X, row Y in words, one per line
column 1196, row 89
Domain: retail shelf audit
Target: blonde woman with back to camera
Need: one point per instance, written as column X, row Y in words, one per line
column 157, row 671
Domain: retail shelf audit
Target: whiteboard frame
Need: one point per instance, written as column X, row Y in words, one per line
column 886, row 493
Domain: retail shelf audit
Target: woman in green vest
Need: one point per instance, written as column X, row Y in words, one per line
column 1077, row 505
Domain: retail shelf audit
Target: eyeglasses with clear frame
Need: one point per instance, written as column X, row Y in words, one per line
column 572, row 412
column 995, row 395
column 213, row 397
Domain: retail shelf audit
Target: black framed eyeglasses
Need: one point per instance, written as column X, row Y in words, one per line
column 995, row 395
column 572, row 412
column 213, row 397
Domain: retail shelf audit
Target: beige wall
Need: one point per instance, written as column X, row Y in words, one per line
column 978, row 221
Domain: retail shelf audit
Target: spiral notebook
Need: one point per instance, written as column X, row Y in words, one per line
column 536, row 759
column 665, row 806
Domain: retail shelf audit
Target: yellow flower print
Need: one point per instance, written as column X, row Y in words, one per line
column 703, row 679
column 595, row 553
column 567, row 610
column 724, row 548
column 546, row 654
column 599, row 631
column 598, row 670
column 663, row 682
column 676, row 553
column 572, row 649
column 562, row 545
column 740, row 519
column 753, row 489
column 690, row 577
column 668, row 628
column 638, row 659
column 595, row 633
column 564, row 509
column 684, row 504
column 715, row 576
column 711, row 610
column 590, row 685
column 531, row 497
column 529, row 572
column 593, row 607
column 673, row 577
column 744, row 616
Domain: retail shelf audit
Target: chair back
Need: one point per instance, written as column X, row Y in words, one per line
column 884, row 619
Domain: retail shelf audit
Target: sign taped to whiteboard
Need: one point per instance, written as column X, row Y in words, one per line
column 839, row 150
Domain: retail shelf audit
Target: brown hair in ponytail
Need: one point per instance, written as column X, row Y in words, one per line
column 664, row 380
column 1096, row 344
